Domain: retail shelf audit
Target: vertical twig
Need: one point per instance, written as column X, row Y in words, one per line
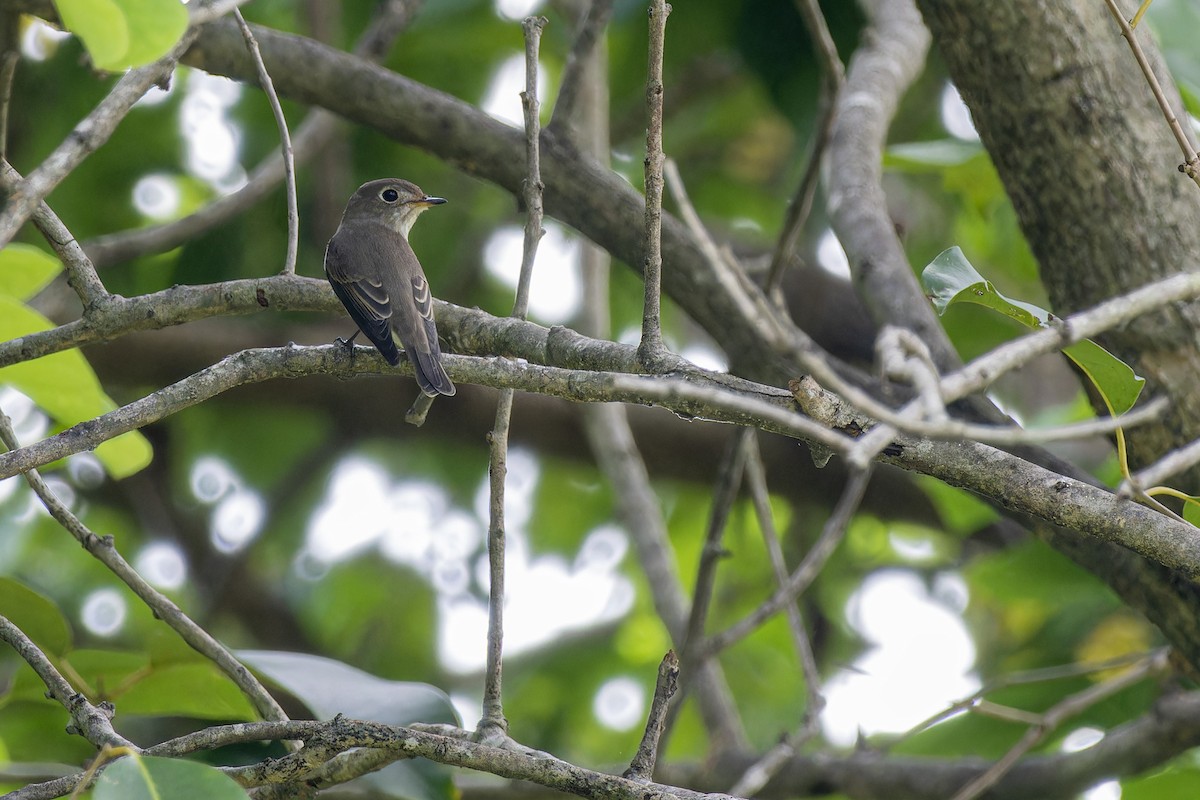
column 8, row 70
column 641, row 768
column 651, row 347
column 729, row 480
column 285, row 139
column 833, row 75
column 1191, row 160
column 493, row 724
column 758, row 774
column 570, row 91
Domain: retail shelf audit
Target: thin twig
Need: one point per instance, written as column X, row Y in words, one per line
column 833, row 75
column 106, row 553
column 493, row 723
column 729, row 481
column 651, row 348
column 81, row 274
column 760, row 773
column 312, row 136
column 285, row 140
column 92, row 132
column 8, row 70
column 93, row 723
column 642, row 766
column 1042, row 675
column 1191, row 160
column 587, row 38
column 805, row 574
column 1166, row 467
column 1063, row 710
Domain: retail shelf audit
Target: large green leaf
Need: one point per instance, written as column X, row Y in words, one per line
column 25, row 270
column 198, row 690
column 329, row 687
column 950, row 278
column 36, row 616
column 148, row 778
column 120, row 34
column 65, row 387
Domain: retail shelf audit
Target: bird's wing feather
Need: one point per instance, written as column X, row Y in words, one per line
column 367, row 300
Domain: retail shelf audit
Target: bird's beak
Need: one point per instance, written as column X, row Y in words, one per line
column 431, row 201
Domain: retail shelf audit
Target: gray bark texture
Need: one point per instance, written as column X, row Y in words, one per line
column 1092, row 170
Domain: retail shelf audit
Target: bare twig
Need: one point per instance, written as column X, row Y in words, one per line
column 729, row 481
column 1046, row 723
column 8, row 69
column 1016, row 679
column 81, row 274
column 757, row 775
column 285, row 141
column 92, row 132
column 102, row 548
column 833, row 75
column 312, row 135
column 642, row 766
column 1191, row 160
column 589, row 35
column 803, row 576
column 93, row 723
column 651, row 348
column 493, row 722
column 1166, row 467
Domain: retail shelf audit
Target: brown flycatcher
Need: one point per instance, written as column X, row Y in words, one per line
column 376, row 275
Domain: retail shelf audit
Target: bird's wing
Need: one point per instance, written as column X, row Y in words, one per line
column 365, row 298
column 428, row 360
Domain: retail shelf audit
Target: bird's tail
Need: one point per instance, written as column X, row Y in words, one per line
column 431, row 375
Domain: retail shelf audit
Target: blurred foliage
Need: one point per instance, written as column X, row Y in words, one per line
column 741, row 97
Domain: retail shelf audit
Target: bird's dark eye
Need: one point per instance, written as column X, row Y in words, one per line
column 389, row 195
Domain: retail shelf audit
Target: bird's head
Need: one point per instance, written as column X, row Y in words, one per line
column 395, row 202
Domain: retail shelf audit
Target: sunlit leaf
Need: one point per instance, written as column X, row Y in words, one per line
column 137, row 777
column 25, row 270
column 65, row 387
column 120, row 34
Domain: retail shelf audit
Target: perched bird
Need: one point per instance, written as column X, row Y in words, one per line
column 376, row 275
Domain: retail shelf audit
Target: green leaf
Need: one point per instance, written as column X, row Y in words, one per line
column 1174, row 783
column 148, row 778
column 931, row 156
column 950, row 278
column 25, row 270
column 154, row 28
column 37, row 616
column 65, row 387
column 198, row 690
column 1115, row 379
column 120, row 34
column 100, row 25
column 330, row 687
